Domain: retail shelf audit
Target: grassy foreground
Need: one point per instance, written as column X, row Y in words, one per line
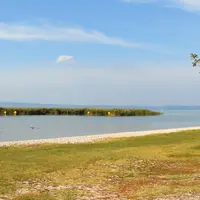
column 132, row 168
column 78, row 111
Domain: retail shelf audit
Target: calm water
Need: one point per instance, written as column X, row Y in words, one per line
column 18, row 128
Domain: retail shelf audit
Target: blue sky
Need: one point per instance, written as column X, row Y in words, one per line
column 99, row 51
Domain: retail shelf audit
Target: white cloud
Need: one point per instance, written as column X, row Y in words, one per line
column 18, row 32
column 189, row 5
column 64, row 58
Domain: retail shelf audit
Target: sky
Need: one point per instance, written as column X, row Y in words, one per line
column 99, row 52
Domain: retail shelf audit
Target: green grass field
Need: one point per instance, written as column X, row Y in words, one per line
column 133, row 168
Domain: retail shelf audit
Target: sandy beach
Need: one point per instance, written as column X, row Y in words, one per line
column 92, row 138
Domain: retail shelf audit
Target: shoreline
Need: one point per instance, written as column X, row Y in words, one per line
column 93, row 138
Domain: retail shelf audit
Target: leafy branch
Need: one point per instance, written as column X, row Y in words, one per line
column 196, row 60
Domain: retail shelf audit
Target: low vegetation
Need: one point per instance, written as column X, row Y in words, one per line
column 78, row 111
column 149, row 167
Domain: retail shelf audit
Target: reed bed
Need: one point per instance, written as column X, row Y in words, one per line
column 78, row 111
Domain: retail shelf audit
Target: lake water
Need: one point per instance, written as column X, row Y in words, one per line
column 18, row 128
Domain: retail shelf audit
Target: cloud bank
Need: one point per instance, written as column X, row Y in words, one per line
column 110, row 85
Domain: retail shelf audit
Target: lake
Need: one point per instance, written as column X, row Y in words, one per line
column 18, row 128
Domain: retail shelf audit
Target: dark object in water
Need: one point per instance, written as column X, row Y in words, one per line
column 33, row 127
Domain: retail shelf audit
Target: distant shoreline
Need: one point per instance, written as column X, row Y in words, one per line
column 93, row 138
column 151, row 107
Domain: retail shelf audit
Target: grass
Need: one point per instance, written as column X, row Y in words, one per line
column 64, row 195
column 135, row 168
column 36, row 196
